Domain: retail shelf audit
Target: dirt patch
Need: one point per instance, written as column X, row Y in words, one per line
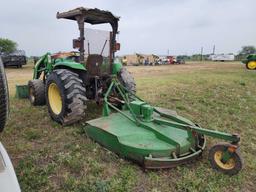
column 17, row 76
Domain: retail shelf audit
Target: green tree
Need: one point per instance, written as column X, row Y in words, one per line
column 247, row 50
column 7, row 45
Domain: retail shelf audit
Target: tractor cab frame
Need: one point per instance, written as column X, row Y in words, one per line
column 92, row 16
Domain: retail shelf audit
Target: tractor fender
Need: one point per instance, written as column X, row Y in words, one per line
column 71, row 65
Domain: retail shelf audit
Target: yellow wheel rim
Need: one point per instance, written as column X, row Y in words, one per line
column 54, row 98
column 252, row 65
column 230, row 164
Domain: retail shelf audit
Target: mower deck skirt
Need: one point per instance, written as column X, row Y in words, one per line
column 152, row 145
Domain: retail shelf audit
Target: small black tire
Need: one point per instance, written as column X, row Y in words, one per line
column 232, row 166
column 4, row 97
column 65, row 97
column 127, row 80
column 36, row 89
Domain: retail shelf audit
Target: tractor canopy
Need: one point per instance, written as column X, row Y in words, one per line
column 92, row 16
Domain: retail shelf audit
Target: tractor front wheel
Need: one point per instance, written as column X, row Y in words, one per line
column 36, row 92
column 231, row 166
column 65, row 96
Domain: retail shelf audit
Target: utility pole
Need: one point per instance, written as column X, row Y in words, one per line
column 202, row 50
column 213, row 50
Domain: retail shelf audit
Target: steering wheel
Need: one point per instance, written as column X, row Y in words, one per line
column 4, row 97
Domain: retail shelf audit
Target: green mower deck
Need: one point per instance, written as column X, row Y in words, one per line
column 152, row 145
column 156, row 137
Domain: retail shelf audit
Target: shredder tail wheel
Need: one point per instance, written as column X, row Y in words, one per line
column 232, row 166
column 36, row 92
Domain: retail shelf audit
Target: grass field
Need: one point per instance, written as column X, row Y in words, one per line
column 49, row 157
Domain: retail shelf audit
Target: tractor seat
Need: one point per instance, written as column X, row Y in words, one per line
column 93, row 64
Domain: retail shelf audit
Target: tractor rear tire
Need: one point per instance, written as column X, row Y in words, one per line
column 65, row 97
column 4, row 97
column 126, row 78
column 36, row 92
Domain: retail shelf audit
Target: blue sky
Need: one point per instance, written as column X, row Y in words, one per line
column 182, row 26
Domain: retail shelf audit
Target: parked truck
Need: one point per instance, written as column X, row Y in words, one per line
column 17, row 58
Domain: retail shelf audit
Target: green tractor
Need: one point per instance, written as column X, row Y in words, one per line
column 250, row 62
column 151, row 136
column 65, row 81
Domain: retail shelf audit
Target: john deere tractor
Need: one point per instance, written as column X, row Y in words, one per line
column 65, row 81
column 250, row 62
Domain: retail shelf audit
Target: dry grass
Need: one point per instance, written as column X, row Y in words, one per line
column 49, row 157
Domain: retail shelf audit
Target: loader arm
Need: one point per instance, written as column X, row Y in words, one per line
column 42, row 66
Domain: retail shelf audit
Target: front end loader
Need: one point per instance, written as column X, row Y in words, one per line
column 151, row 136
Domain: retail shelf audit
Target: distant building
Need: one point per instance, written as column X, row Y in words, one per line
column 222, row 57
